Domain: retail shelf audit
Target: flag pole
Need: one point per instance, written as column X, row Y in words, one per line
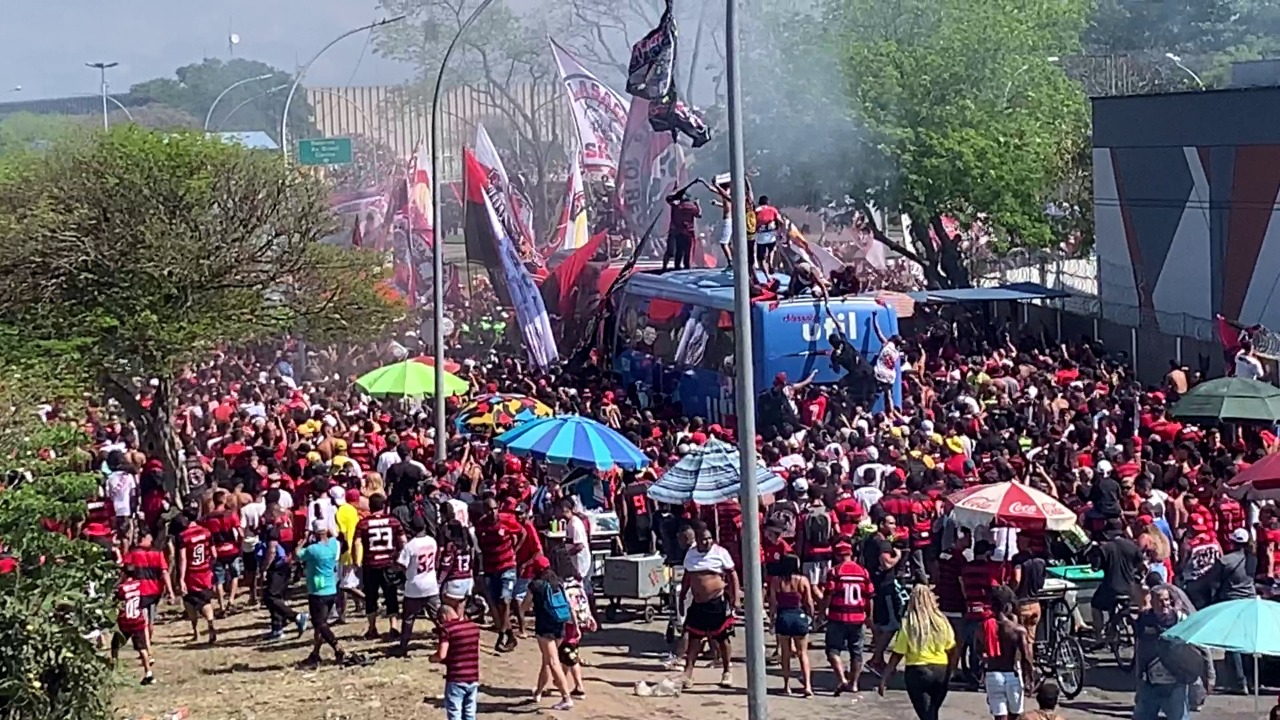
column 757, row 701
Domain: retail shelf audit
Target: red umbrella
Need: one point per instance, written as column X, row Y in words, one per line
column 1259, row 481
column 449, row 365
column 1012, row 503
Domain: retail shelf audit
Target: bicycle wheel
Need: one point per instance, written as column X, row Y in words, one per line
column 1068, row 664
column 1120, row 640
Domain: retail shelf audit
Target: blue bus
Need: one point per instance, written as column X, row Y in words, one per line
column 674, row 334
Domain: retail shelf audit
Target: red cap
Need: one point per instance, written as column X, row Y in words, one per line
column 699, row 437
column 1146, row 519
column 96, row 529
column 154, row 465
column 843, row 548
column 540, row 563
column 353, row 495
column 513, row 465
column 608, row 396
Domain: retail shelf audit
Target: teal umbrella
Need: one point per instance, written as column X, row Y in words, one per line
column 1231, row 399
column 1251, row 627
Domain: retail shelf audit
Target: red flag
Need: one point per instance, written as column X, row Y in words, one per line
column 565, row 276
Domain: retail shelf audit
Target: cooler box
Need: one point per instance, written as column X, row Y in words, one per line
column 638, row 577
column 1075, row 573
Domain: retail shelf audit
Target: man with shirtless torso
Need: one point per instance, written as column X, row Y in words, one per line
column 711, row 579
column 1007, row 656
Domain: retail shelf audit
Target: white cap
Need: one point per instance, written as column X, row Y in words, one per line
column 926, row 425
column 873, row 453
column 338, row 495
column 1104, row 467
column 800, row 485
column 1240, row 535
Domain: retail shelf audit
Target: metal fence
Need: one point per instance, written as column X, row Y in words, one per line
column 398, row 117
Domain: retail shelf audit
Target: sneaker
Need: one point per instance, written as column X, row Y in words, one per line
column 301, row 622
column 564, row 704
column 311, row 662
column 726, row 680
column 274, row 635
column 148, row 679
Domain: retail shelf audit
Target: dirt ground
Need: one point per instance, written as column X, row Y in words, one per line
column 245, row 678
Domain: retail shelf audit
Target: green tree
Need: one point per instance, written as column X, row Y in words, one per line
column 47, row 668
column 175, row 244
column 258, row 105
column 25, row 131
column 934, row 123
column 155, row 116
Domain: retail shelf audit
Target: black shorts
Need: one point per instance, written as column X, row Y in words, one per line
column 413, row 607
column 710, row 619
column 197, row 599
column 136, row 638
column 385, row 582
column 250, row 561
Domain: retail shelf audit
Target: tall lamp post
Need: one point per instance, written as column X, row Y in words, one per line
column 1009, row 88
column 226, row 118
column 102, row 68
column 209, row 115
column 1178, row 61
column 437, row 223
column 757, row 701
column 302, row 72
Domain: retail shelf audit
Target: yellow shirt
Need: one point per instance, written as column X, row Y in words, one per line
column 348, row 517
column 920, row 656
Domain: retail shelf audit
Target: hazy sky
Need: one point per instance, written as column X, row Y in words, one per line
column 44, row 45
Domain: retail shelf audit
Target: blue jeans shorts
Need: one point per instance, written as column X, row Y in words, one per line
column 501, row 586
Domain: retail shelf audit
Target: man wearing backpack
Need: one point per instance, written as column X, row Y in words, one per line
column 815, row 535
column 1167, row 669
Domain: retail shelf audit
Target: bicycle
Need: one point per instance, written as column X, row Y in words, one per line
column 1118, row 635
column 1057, row 652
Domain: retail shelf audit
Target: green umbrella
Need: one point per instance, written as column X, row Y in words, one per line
column 409, row 379
column 1234, row 399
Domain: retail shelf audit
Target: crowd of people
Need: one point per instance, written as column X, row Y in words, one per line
column 301, row 486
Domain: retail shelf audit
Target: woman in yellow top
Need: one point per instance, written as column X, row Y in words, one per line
column 927, row 644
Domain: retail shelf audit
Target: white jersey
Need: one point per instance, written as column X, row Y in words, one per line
column 418, row 558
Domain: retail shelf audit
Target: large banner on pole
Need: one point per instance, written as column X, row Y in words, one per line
column 485, row 223
column 573, row 232
column 650, row 167
column 599, row 112
column 513, row 208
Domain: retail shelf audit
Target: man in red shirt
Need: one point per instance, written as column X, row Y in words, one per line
column 132, row 621
column 379, row 538
column 499, row 534
column 152, row 572
column 846, row 600
column 684, row 214
column 195, row 575
column 225, row 533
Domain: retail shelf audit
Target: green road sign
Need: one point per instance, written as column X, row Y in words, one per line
column 324, row 151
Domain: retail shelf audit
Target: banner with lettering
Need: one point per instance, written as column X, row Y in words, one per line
column 651, row 72
column 485, row 222
column 650, row 167
column 512, row 206
column 599, row 111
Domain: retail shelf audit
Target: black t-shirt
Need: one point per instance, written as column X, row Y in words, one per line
column 872, row 548
column 403, row 480
column 1106, row 498
column 1033, row 574
column 1121, row 563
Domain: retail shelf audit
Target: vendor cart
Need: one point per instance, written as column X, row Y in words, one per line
column 634, row 577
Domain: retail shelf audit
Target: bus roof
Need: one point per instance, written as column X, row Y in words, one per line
column 705, row 287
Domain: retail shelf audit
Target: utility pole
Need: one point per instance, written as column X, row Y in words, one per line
column 102, row 68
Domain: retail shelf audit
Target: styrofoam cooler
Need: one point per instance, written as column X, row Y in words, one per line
column 638, row 577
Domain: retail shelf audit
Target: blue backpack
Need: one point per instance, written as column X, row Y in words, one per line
column 558, row 604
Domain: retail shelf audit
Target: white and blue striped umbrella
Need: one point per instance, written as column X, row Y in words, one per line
column 709, row 475
column 574, row 441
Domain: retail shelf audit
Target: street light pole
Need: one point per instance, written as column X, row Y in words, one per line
column 209, row 115
column 302, row 72
column 259, row 96
column 437, row 228
column 744, row 367
column 102, row 68
column 1178, row 61
column 1008, row 88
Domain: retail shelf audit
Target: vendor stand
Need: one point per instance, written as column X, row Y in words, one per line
column 1001, row 510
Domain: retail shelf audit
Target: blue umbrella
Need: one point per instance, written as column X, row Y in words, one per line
column 1249, row 626
column 709, row 475
column 573, row 440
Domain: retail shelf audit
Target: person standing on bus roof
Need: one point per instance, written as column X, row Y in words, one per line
column 685, row 212
column 886, row 369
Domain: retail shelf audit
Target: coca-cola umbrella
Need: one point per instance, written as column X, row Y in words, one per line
column 1259, row 481
column 1012, row 504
